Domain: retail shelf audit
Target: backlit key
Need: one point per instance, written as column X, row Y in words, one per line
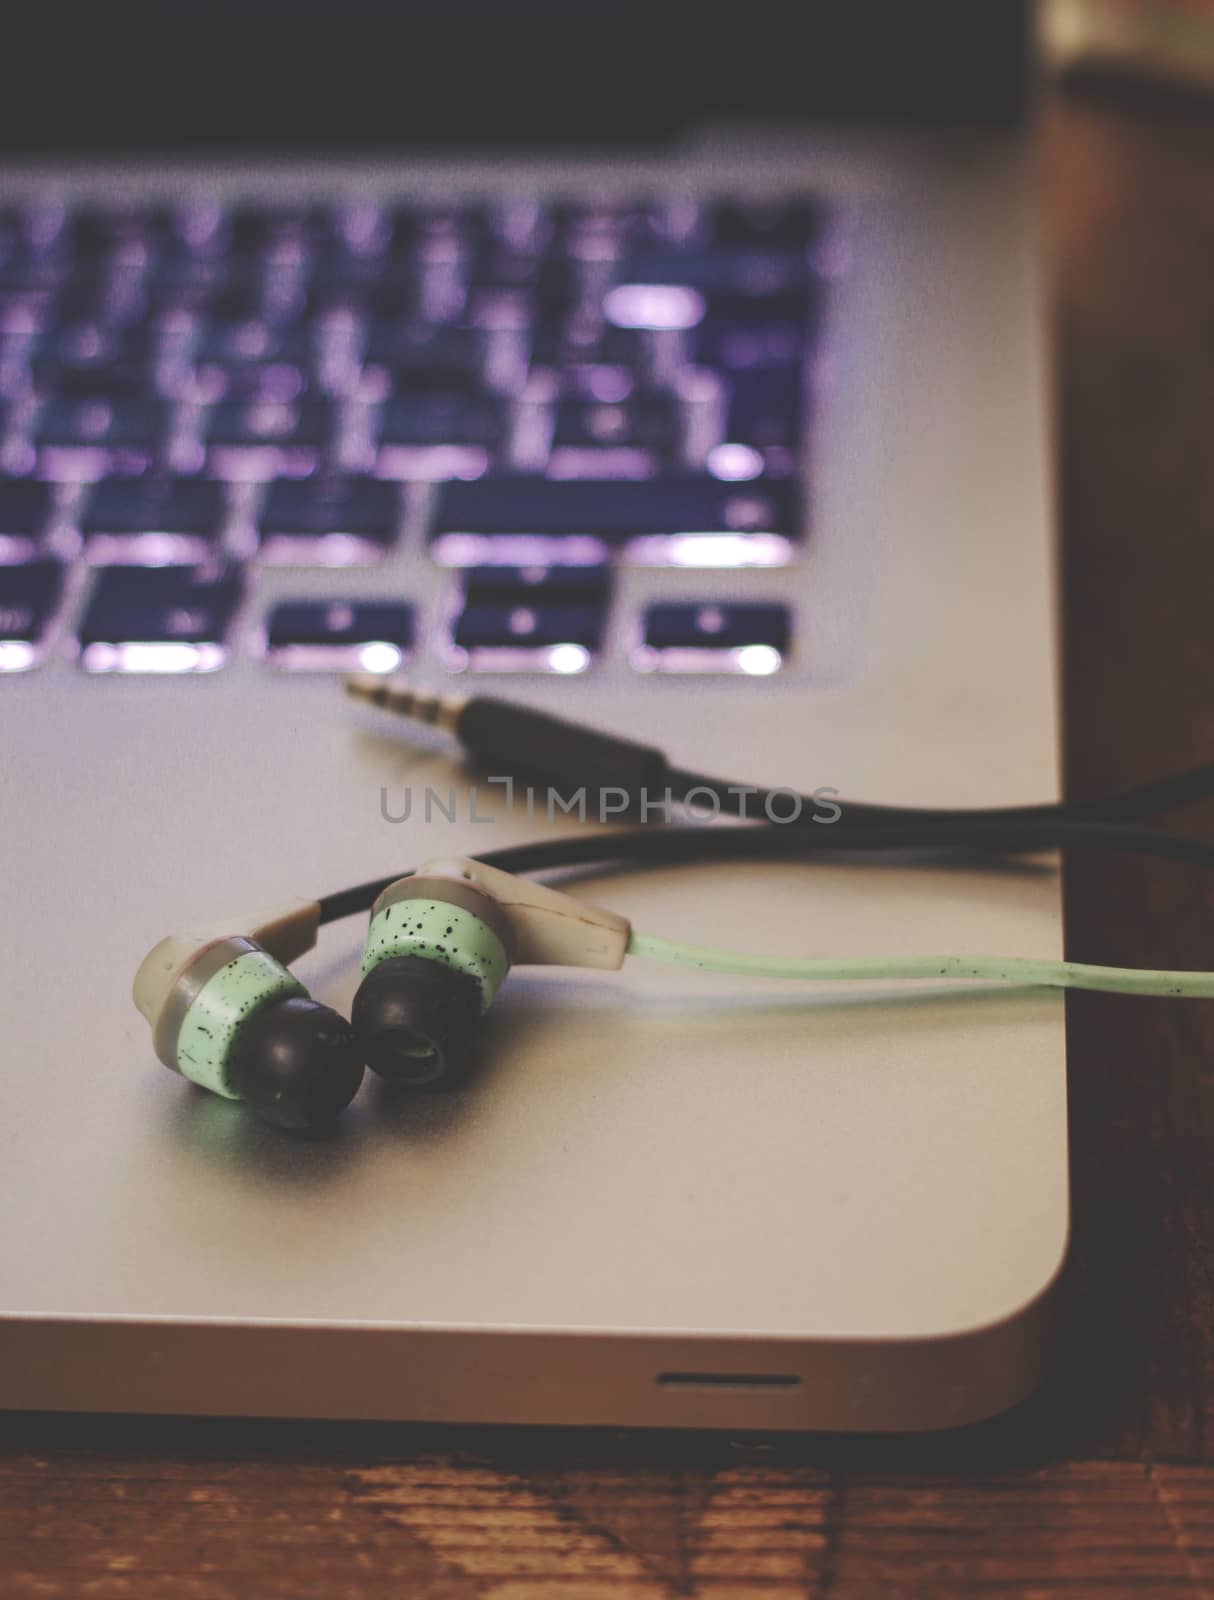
column 329, row 521
column 677, row 519
column 531, row 619
column 747, row 637
column 159, row 619
column 25, row 512
column 29, row 598
column 154, row 520
column 339, row 635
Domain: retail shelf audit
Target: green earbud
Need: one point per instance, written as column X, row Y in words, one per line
column 437, row 951
column 226, row 1013
column 439, row 946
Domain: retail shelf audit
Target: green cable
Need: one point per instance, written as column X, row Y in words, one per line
column 1026, row 971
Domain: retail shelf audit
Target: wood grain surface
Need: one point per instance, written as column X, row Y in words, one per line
column 1102, row 1485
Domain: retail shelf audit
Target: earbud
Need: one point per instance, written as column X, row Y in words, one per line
column 226, row 1013
column 437, row 951
column 438, row 948
column 416, row 1021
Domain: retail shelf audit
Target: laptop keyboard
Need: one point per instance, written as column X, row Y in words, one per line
column 517, row 403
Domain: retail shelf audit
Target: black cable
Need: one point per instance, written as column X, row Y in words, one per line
column 503, row 738
column 671, row 846
column 757, row 803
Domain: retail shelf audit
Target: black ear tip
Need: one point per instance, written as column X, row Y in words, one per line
column 415, row 1020
column 297, row 1064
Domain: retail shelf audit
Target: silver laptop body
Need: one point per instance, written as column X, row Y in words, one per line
column 665, row 1199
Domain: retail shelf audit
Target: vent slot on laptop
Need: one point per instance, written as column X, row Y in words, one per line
column 727, row 1380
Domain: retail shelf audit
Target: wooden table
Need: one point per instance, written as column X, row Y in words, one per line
column 1103, row 1484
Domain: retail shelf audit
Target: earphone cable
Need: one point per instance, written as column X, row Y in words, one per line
column 681, row 844
column 1128, row 805
column 506, row 737
column 1018, row 971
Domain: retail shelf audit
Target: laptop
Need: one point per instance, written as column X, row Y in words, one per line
column 678, row 369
